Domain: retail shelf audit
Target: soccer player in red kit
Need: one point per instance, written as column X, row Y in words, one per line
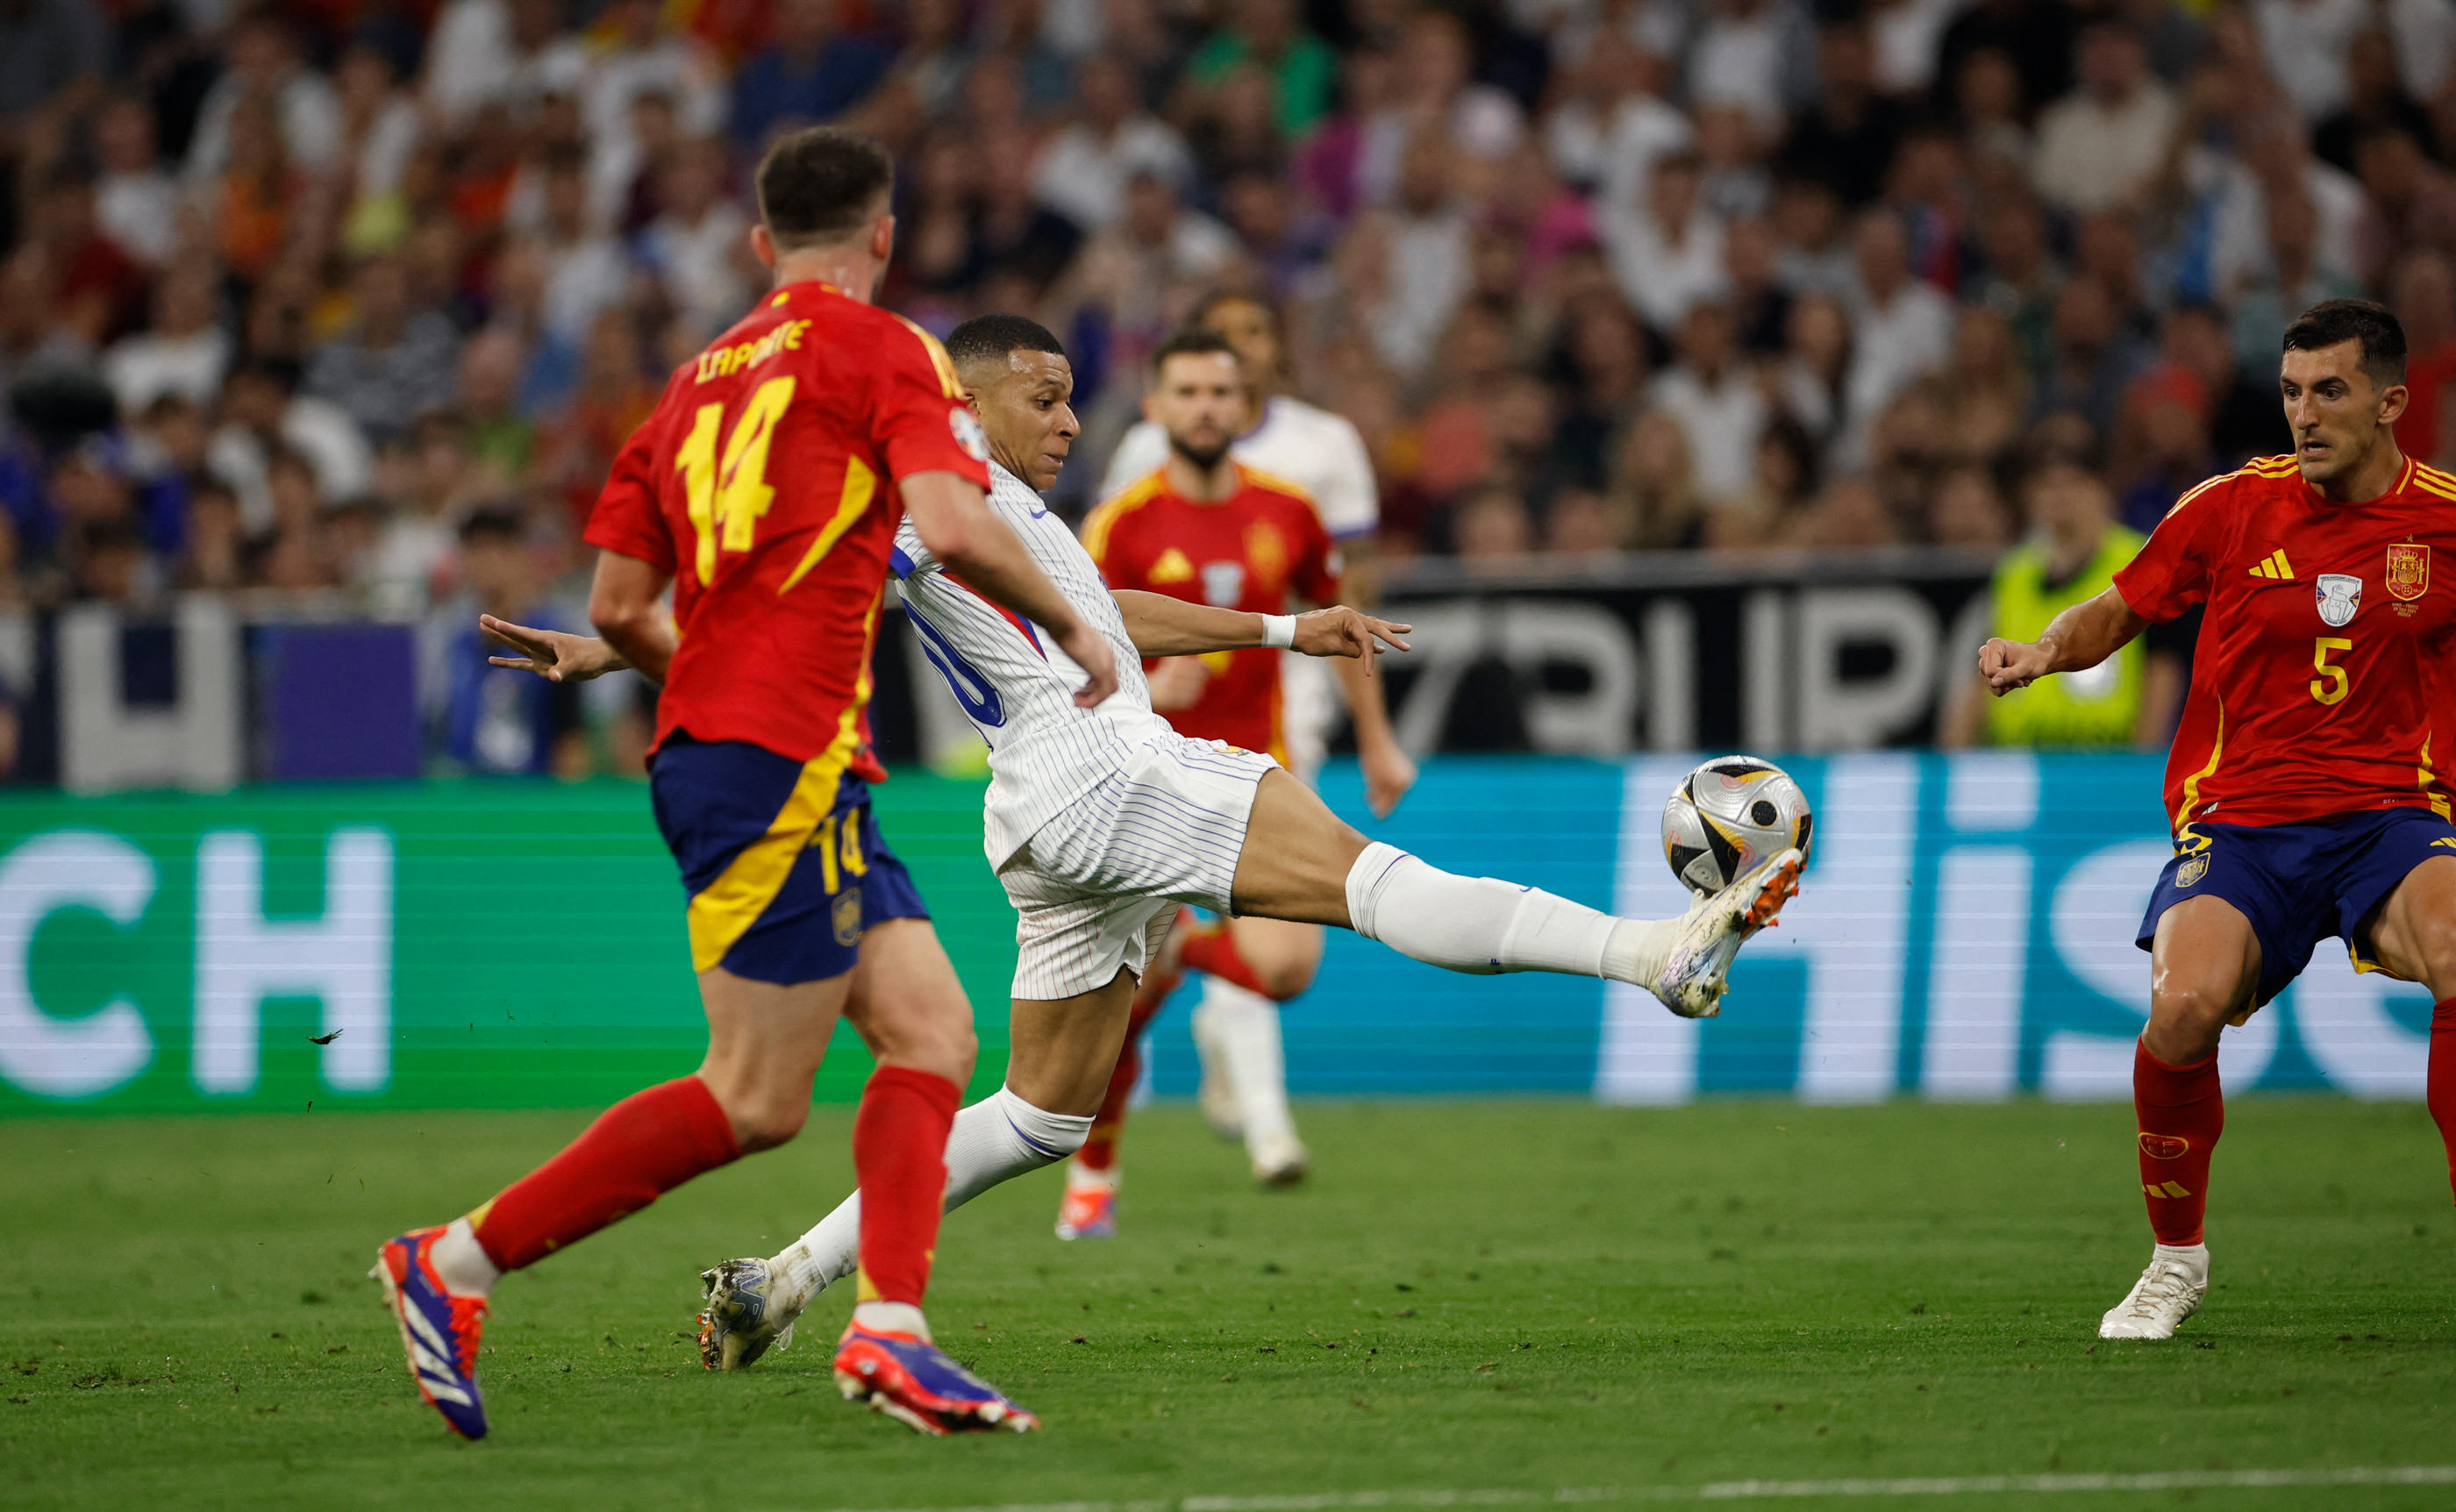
column 1212, row 530
column 2303, row 784
column 766, row 488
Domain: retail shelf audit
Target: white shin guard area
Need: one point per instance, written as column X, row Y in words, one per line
column 1477, row 925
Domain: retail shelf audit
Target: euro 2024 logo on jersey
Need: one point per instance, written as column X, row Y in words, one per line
column 2340, row 595
column 968, row 433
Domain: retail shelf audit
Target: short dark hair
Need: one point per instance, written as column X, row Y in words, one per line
column 1194, row 341
column 992, row 338
column 493, row 522
column 822, row 184
column 2332, row 321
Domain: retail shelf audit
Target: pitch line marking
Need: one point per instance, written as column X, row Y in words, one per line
column 1756, row 1491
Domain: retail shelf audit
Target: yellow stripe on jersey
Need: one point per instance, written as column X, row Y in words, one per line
column 948, row 382
column 724, row 911
column 860, row 486
column 1098, row 524
column 2428, row 781
column 2192, row 784
column 1274, row 482
column 2430, row 479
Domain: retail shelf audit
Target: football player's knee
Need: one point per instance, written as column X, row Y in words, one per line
column 2193, row 1010
column 1281, row 980
column 764, row 1117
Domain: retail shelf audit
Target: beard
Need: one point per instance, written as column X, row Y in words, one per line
column 1205, row 458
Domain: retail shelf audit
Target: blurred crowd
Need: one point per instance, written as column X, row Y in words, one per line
column 296, row 297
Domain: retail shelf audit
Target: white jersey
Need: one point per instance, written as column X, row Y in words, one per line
column 1015, row 685
column 1309, row 447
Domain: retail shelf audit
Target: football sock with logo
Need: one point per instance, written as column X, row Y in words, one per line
column 637, row 1151
column 2442, row 1094
column 899, row 1156
column 1097, row 1159
column 1212, row 949
column 2181, row 1112
column 1000, row 1137
column 1482, row 925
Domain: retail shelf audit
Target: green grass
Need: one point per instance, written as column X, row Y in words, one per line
column 1468, row 1295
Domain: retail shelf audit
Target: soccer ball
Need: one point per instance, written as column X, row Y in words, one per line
column 1729, row 815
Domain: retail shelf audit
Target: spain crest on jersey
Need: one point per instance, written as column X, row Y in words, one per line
column 2408, row 569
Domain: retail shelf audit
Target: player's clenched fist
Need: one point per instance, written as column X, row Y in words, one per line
column 1342, row 631
column 2008, row 664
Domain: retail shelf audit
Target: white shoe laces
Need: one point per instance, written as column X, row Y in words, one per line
column 2163, row 1284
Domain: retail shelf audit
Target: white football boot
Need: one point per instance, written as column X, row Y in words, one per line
column 742, row 1317
column 1279, row 1158
column 1710, row 933
column 2168, row 1292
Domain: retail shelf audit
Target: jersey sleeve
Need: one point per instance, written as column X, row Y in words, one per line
column 2171, row 575
column 918, row 420
column 1350, row 502
column 626, row 518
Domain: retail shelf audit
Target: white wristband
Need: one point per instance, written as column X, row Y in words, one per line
column 1279, row 630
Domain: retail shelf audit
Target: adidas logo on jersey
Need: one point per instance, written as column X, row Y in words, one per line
column 2274, row 565
column 1171, row 567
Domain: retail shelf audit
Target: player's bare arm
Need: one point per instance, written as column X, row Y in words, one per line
column 2080, row 637
column 956, row 524
column 1162, row 625
column 627, row 604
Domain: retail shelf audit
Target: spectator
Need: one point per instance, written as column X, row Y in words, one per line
column 305, row 113
column 1607, row 134
column 2422, row 290
column 1270, row 35
column 1967, row 510
column 1715, row 400
column 585, row 269
column 262, row 411
column 1846, row 139
column 1654, row 485
column 1424, row 270
column 2101, row 147
column 2094, row 358
column 499, row 720
column 809, row 73
column 1083, row 172
column 504, row 54
column 1668, row 254
column 1753, row 55
column 700, row 247
column 184, row 353
column 135, row 203
column 2375, row 100
column 2308, row 45
column 1901, row 328
column 394, row 364
column 50, row 48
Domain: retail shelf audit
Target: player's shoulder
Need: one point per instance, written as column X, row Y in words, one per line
column 2431, row 480
column 1274, row 486
column 2260, row 477
column 1298, row 414
column 1102, row 523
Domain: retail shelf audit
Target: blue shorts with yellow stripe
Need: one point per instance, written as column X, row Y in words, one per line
column 783, row 862
column 2300, row 884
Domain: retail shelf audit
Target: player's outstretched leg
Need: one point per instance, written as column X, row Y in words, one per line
column 436, row 1279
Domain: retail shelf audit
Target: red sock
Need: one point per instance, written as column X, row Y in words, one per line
column 899, row 1153
column 638, row 1149
column 1214, row 950
column 2181, row 1113
column 1099, row 1152
column 2443, row 1077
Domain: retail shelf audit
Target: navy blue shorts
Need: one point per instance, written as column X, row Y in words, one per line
column 2299, row 884
column 782, row 860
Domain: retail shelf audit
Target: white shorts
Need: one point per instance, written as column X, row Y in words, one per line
column 1096, row 887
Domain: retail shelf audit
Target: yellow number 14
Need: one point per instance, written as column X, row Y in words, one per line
column 2337, row 679
column 729, row 492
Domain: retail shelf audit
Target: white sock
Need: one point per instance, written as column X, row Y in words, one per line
column 2192, row 1258
column 1080, row 1176
column 893, row 1317
column 461, row 1261
column 1247, row 1027
column 1482, row 925
column 1000, row 1137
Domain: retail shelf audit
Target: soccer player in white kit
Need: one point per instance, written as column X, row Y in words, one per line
column 1101, row 822
column 1236, row 1029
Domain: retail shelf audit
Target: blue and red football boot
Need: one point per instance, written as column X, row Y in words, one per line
column 439, row 1330
column 905, row 1378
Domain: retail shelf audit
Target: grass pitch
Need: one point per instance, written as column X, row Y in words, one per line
column 1467, row 1297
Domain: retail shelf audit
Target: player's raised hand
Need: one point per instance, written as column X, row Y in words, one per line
column 1089, row 649
column 554, row 655
column 2009, row 664
column 1389, row 773
column 1342, row 631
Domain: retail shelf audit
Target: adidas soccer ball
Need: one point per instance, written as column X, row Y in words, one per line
column 1729, row 815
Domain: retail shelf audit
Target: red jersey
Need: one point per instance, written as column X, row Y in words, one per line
column 765, row 482
column 2323, row 653
column 1249, row 551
